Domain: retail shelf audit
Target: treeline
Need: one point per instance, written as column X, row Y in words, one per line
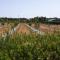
column 31, row 20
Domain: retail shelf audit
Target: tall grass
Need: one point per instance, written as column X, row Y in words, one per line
column 30, row 47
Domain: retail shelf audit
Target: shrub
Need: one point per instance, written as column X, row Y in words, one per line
column 23, row 47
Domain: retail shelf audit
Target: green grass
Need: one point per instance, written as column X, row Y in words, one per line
column 23, row 47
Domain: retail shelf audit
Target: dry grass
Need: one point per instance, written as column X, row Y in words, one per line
column 5, row 28
column 47, row 28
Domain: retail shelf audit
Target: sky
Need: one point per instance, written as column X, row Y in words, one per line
column 29, row 8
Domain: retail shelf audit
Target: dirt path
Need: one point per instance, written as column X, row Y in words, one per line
column 23, row 28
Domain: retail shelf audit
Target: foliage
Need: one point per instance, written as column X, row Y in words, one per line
column 37, row 19
column 31, row 47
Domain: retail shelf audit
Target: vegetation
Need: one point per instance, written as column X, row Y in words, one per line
column 30, row 20
column 31, row 47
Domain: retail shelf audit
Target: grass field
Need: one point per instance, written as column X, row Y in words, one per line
column 6, row 27
column 47, row 28
column 30, row 47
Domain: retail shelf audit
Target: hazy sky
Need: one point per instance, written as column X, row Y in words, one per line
column 29, row 8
